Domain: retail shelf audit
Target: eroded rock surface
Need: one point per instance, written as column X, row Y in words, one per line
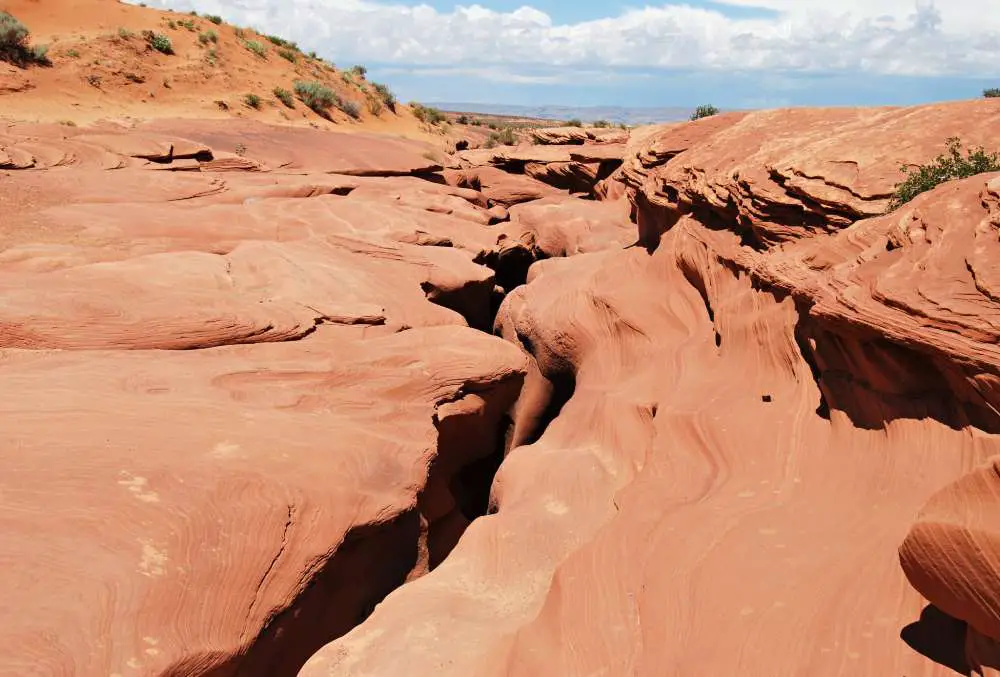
column 726, row 440
column 245, row 402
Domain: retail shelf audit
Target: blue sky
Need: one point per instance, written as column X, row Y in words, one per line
column 733, row 53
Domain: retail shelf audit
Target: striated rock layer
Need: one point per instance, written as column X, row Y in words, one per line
column 724, row 441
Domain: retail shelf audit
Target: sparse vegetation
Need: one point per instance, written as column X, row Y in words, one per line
column 212, row 57
column 992, row 93
column 705, row 111
column 214, row 18
column 385, row 94
column 351, row 108
column 574, row 123
column 252, row 100
column 281, row 42
column 256, row 47
column 462, row 119
column 73, row 54
column 505, row 137
column 476, row 123
column 284, row 96
column 207, row 37
column 125, row 34
column 188, row 24
column 948, row 166
column 14, row 47
column 67, row 123
column 289, row 55
column 158, row 41
column 316, row 97
column 375, row 105
column 431, row 116
column 602, row 124
column 359, row 71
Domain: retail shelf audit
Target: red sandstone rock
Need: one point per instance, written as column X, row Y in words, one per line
column 742, row 435
column 952, row 553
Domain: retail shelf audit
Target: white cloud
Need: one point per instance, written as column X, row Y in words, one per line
column 888, row 37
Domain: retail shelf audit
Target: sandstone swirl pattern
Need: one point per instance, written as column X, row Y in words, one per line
column 732, row 428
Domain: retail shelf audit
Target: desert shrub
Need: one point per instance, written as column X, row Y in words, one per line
column 315, row 96
column 73, row 54
column 945, row 167
column 476, row 123
column 992, row 93
column 281, row 42
column 602, row 124
column 289, row 55
column 158, row 41
column 252, row 100
column 431, row 116
column 256, row 47
column 207, row 37
column 14, row 46
column 284, row 96
column 125, row 34
column 359, row 71
column 214, row 18
column 574, row 123
column 705, row 111
column 188, row 24
column 375, row 105
column 505, row 137
column 212, row 57
column 386, row 95
column 462, row 119
column 352, row 109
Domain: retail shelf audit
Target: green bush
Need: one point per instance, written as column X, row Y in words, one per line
column 256, row 47
column 188, row 24
column 505, row 137
column 992, row 93
column 158, row 41
column 431, row 116
column 284, row 96
column 207, row 37
column 14, row 46
column 289, row 55
column 705, row 111
column 252, row 100
column 317, row 97
column 352, row 109
column 214, row 18
column 946, row 167
column 462, row 119
column 386, row 95
column 281, row 42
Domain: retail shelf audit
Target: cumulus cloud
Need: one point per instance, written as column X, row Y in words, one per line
column 885, row 37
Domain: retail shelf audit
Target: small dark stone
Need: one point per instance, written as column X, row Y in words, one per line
column 766, row 398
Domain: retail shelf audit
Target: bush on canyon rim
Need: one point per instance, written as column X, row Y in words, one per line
column 706, row 111
column 317, row 97
column 946, row 167
column 14, row 46
column 158, row 41
column 992, row 93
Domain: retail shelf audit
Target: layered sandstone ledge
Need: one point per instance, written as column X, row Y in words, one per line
column 252, row 402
